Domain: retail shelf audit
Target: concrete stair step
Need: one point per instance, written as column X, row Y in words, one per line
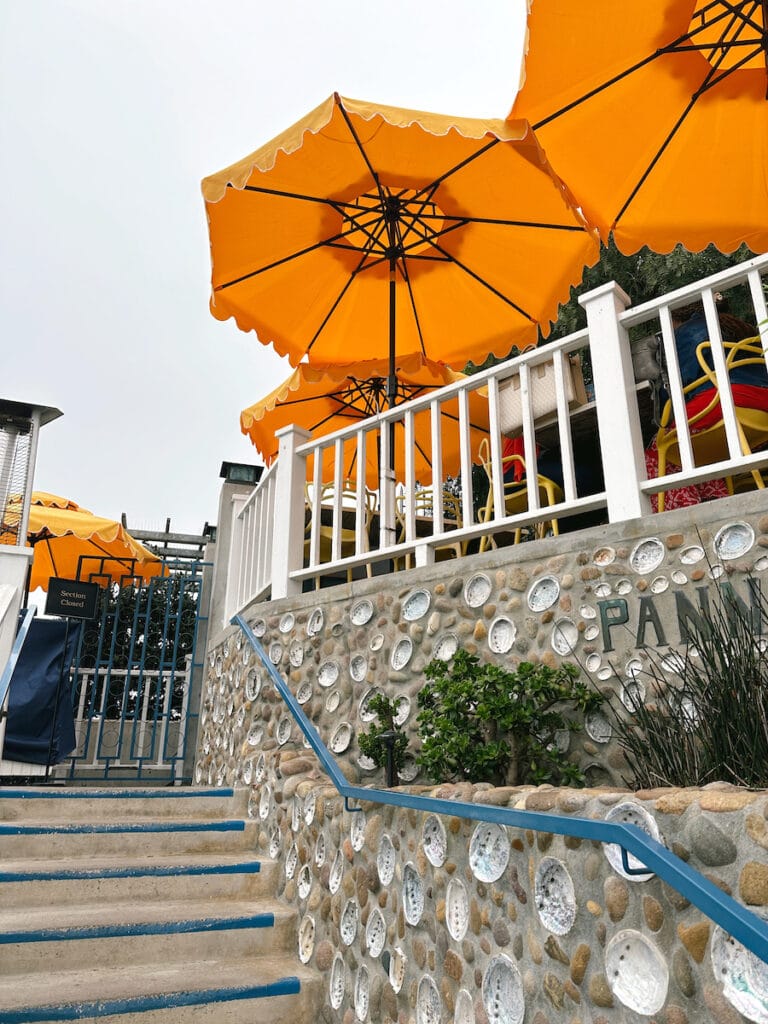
column 145, row 837
column 72, row 805
column 64, row 938
column 67, row 881
column 272, row 990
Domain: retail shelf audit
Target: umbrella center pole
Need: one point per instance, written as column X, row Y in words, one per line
column 388, row 497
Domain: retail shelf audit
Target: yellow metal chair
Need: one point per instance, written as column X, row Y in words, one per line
column 348, row 533
column 516, row 496
column 709, row 444
column 423, row 506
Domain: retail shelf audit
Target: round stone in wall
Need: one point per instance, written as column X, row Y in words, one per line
column 637, row 972
column 503, row 996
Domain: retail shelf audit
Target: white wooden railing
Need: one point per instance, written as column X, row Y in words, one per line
column 290, row 530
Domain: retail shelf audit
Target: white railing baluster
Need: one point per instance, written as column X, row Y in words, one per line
column 387, row 526
column 497, row 466
column 409, row 510
column 361, row 495
column 315, row 508
column 757, row 293
column 562, row 367
column 527, row 384
column 465, row 454
column 436, row 435
column 337, row 499
column 721, row 373
column 676, row 388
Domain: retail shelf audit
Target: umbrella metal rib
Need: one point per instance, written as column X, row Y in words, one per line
column 733, row 20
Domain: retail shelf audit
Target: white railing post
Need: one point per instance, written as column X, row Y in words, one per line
column 288, row 537
column 234, row 584
column 618, row 417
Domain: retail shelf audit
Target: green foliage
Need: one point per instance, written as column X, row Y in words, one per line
column 712, row 724
column 371, row 743
column 646, row 275
column 484, row 723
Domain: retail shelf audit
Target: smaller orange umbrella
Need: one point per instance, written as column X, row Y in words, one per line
column 72, row 543
column 325, row 399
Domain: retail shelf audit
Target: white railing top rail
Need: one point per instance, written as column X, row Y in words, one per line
column 715, row 282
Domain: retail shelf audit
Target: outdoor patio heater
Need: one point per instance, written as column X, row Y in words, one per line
column 20, row 424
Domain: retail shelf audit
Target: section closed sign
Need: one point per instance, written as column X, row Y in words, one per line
column 72, row 598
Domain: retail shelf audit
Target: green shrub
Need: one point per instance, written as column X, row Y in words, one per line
column 484, row 723
column 711, row 723
column 371, row 744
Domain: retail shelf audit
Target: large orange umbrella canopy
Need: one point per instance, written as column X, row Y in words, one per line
column 72, row 543
column 324, row 399
column 655, row 111
column 484, row 237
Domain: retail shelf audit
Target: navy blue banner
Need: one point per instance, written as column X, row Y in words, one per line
column 40, row 727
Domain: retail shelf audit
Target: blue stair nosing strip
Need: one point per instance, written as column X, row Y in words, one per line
column 116, row 931
column 143, row 1004
column 112, row 794
column 147, row 870
column 102, row 828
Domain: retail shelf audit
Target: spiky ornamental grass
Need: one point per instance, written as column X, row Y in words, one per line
column 712, row 723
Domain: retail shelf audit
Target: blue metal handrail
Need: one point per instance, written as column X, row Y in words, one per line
column 735, row 919
column 18, row 643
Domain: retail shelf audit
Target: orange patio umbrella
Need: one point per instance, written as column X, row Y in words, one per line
column 385, row 232
column 656, row 113
column 324, row 399
column 70, row 542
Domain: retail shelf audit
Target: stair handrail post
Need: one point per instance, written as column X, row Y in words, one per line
column 618, row 415
column 288, row 538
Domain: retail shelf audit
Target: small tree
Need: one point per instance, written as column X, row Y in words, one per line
column 371, row 744
column 484, row 723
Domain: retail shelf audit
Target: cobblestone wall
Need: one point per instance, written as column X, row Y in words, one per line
column 560, row 933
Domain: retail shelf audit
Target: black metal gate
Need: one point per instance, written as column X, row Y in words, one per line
column 135, row 677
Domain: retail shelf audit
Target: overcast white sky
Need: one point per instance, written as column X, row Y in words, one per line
column 111, row 111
